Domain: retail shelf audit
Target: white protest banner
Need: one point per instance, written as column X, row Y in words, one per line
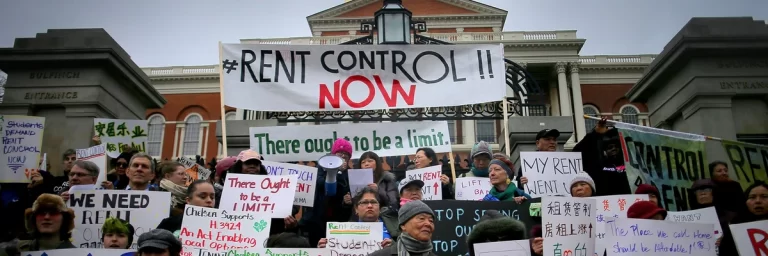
column 118, row 132
column 218, row 230
column 273, row 252
column 143, row 209
column 568, row 225
column 643, row 237
column 354, row 238
column 194, row 171
column 359, row 179
column 751, row 238
column 611, row 206
column 704, row 216
column 97, row 155
column 309, row 143
column 306, row 185
column 22, row 140
column 472, row 188
column 504, row 248
column 360, row 77
column 260, row 194
column 82, row 252
column 550, row 173
column 433, row 187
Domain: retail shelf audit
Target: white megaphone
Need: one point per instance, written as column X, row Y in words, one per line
column 331, row 163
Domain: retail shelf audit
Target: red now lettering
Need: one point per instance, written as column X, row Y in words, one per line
column 341, row 89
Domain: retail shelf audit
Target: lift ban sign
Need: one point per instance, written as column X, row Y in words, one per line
column 360, row 77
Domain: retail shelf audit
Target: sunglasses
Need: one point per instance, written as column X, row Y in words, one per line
column 122, row 165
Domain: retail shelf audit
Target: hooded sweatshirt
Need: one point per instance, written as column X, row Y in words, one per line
column 603, row 161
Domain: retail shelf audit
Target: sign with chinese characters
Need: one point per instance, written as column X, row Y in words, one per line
column 611, row 206
column 568, row 225
column 550, row 173
column 641, row 237
column 116, row 133
column 22, row 140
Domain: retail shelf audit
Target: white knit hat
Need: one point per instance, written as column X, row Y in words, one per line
column 584, row 177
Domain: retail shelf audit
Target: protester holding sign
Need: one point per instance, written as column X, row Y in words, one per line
column 385, row 181
column 704, row 190
column 582, row 186
column 199, row 193
column 480, row 155
column 82, row 173
column 367, row 209
column 651, row 191
column 332, row 200
column 757, row 210
column 50, row 222
column 416, row 221
column 426, row 157
column 118, row 175
column 603, row 159
column 502, row 187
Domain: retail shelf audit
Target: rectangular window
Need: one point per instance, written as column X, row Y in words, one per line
column 452, row 130
column 154, row 139
column 191, row 139
column 485, row 130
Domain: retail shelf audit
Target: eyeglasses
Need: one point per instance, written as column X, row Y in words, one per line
column 70, row 158
column 368, row 202
column 122, row 165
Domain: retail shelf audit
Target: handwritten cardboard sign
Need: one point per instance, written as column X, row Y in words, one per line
column 433, row 187
column 194, row 171
column 704, row 215
column 472, row 188
column 97, row 155
column 641, row 237
column 260, row 194
column 504, row 248
column 354, row 238
column 82, row 252
column 306, row 185
column 611, row 206
column 550, row 173
column 568, row 225
column 264, row 252
column 219, row 231
column 143, row 209
column 751, row 237
column 22, row 140
column 118, row 132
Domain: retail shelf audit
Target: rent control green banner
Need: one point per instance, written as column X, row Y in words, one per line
column 748, row 161
column 671, row 164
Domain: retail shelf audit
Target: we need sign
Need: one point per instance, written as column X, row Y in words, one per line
column 365, row 77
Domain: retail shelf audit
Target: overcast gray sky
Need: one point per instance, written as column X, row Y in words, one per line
column 186, row 32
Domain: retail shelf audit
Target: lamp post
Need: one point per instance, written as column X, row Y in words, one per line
column 393, row 23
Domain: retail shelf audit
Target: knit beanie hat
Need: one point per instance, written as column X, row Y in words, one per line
column 480, row 148
column 49, row 203
column 341, row 145
column 643, row 189
column 504, row 166
column 117, row 226
column 645, row 210
column 411, row 209
column 584, row 177
column 495, row 229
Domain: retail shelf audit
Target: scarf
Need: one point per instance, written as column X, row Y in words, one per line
column 407, row 245
column 178, row 193
column 403, row 201
column 479, row 172
column 506, row 195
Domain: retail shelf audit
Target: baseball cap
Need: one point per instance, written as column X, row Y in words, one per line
column 405, row 183
column 160, row 239
column 248, row 154
column 548, row 133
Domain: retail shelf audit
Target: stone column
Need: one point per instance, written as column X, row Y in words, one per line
column 562, row 87
column 578, row 104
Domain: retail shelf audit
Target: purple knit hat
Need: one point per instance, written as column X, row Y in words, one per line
column 341, row 145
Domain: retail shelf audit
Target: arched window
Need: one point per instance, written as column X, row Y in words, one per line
column 156, row 127
column 230, row 116
column 191, row 143
column 593, row 112
column 629, row 114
